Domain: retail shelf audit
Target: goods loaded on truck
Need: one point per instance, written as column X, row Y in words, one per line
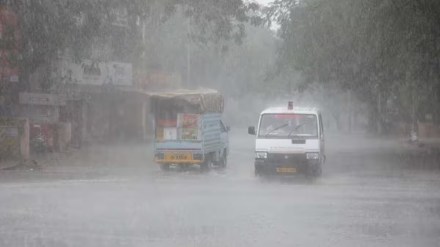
column 189, row 129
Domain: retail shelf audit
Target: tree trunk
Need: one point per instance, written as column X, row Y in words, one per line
column 375, row 122
column 350, row 112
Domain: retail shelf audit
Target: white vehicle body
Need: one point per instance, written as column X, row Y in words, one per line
column 289, row 140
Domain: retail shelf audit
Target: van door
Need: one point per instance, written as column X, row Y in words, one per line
column 321, row 136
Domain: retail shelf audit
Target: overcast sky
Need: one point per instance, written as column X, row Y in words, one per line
column 274, row 26
column 263, row 1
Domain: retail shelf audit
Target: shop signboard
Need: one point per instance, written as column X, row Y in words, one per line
column 42, row 99
column 120, row 74
column 97, row 73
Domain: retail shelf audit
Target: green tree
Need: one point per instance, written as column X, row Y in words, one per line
column 370, row 47
column 52, row 27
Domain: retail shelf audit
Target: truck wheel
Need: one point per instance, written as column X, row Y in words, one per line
column 206, row 164
column 165, row 167
column 223, row 162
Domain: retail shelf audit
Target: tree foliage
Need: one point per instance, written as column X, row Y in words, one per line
column 375, row 48
column 223, row 64
column 52, row 27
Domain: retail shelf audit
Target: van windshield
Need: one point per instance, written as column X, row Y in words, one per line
column 288, row 126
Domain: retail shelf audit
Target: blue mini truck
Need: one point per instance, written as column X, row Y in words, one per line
column 189, row 129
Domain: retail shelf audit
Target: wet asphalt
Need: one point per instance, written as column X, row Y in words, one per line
column 373, row 192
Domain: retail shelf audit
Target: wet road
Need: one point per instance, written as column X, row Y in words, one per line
column 370, row 194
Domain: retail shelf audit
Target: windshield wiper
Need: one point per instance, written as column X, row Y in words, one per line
column 277, row 128
column 294, row 129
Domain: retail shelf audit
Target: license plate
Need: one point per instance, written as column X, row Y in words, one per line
column 178, row 157
column 286, row 170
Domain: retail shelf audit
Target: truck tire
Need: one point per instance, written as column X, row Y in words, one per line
column 165, row 167
column 206, row 164
column 223, row 162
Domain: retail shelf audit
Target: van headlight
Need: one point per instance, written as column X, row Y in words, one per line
column 312, row 156
column 261, row 155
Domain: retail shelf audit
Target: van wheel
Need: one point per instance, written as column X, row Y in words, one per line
column 165, row 167
column 318, row 171
column 258, row 171
column 315, row 171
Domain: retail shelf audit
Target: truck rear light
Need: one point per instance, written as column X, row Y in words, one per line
column 198, row 156
column 160, row 156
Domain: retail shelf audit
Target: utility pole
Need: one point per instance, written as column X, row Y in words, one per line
column 188, row 52
column 413, row 113
column 350, row 112
column 379, row 113
column 413, row 133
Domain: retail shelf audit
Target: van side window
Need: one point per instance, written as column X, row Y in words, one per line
column 321, row 126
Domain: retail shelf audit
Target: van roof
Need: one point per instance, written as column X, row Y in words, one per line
column 298, row 110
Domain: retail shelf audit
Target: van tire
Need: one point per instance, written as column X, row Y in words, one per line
column 258, row 172
column 315, row 171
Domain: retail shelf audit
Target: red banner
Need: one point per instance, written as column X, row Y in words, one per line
column 10, row 40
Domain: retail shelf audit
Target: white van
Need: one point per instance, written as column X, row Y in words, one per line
column 289, row 140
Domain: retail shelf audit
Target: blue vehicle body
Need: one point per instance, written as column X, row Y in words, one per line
column 208, row 145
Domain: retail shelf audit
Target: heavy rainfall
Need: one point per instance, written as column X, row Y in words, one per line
column 219, row 123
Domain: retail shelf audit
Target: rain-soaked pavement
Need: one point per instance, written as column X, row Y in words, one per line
column 370, row 194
